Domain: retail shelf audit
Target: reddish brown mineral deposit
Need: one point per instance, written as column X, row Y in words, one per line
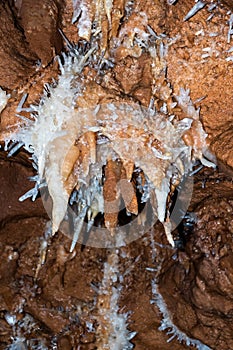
column 58, row 298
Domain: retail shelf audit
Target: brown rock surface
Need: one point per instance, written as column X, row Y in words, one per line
column 55, row 303
column 200, row 279
column 17, row 60
column 200, row 53
column 41, row 20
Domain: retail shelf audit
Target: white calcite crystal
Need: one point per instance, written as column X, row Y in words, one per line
column 112, row 331
column 3, row 99
column 168, row 325
column 143, row 136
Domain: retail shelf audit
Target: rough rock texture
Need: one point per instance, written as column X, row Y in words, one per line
column 201, row 54
column 17, row 59
column 54, row 302
column 196, row 282
column 41, row 20
column 200, row 279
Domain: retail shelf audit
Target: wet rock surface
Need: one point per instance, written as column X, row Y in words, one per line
column 53, row 301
